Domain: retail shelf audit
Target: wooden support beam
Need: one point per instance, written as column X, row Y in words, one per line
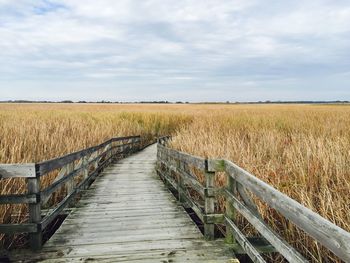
column 279, row 243
column 35, row 239
column 17, row 170
column 230, row 211
column 244, row 243
column 209, row 203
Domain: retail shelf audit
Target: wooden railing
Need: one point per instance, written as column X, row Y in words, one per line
column 178, row 170
column 86, row 164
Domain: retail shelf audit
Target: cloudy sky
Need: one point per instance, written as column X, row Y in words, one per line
column 209, row 50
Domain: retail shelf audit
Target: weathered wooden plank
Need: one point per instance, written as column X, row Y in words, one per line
column 112, row 222
column 49, row 165
column 19, row 199
column 216, row 165
column 35, row 239
column 259, row 243
column 245, row 244
column 17, row 170
column 328, row 234
column 230, row 211
column 209, row 205
column 248, row 201
column 189, row 159
column 193, row 183
column 214, row 218
column 59, row 208
column 280, row 244
column 18, row 228
column 171, row 250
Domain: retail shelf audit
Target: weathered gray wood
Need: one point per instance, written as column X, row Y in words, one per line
column 216, row 165
column 35, row 239
column 281, row 245
column 111, row 221
column 214, row 218
column 328, row 234
column 19, row 199
column 259, row 243
column 209, row 206
column 56, row 163
column 85, row 171
column 45, row 196
column 188, row 179
column 230, row 211
column 245, row 244
column 189, row 159
column 59, row 208
column 17, row 170
column 247, row 200
column 70, row 183
column 18, row 228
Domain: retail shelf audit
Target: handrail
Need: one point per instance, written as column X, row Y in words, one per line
column 87, row 162
column 239, row 182
column 49, row 165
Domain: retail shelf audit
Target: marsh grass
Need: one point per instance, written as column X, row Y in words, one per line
column 302, row 150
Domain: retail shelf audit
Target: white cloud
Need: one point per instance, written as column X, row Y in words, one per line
column 183, row 44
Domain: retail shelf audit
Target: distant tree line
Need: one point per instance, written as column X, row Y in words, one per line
column 183, row 102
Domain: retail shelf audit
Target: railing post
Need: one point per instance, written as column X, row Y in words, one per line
column 35, row 239
column 180, row 183
column 230, row 210
column 209, row 205
column 70, row 182
column 138, row 141
column 85, row 169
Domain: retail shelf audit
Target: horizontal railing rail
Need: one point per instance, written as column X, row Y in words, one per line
column 177, row 171
column 86, row 164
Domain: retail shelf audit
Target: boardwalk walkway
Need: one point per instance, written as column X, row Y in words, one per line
column 128, row 215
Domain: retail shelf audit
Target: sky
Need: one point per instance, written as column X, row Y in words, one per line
column 209, row 50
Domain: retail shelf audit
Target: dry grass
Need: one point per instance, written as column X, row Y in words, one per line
column 303, row 150
column 32, row 133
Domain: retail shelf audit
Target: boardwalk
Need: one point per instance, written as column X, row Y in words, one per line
column 128, row 215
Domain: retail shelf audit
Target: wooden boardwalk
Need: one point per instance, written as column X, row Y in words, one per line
column 128, row 215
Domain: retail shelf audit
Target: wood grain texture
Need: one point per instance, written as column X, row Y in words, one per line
column 326, row 233
column 17, row 170
column 128, row 215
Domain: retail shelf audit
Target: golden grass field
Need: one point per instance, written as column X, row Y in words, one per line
column 302, row 150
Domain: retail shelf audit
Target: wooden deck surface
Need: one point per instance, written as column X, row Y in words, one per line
column 128, row 215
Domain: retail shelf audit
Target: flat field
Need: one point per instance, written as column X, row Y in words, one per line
column 302, row 150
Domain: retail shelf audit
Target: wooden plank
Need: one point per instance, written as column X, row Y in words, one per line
column 259, row 243
column 230, row 211
column 189, row 159
column 18, row 228
column 279, row 243
column 49, row 165
column 189, row 179
column 216, row 165
column 245, row 244
column 209, row 206
column 166, row 251
column 59, row 208
column 17, row 171
column 248, row 201
column 70, row 184
column 35, row 239
column 112, row 222
column 19, row 199
column 328, row 234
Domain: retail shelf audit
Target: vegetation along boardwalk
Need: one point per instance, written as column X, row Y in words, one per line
column 129, row 215
column 126, row 212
